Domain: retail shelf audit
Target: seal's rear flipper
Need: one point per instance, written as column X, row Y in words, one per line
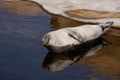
column 106, row 26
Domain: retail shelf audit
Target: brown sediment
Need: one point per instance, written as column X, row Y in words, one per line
column 112, row 39
column 115, row 77
column 59, row 22
column 22, row 8
column 106, row 61
column 90, row 14
column 113, row 32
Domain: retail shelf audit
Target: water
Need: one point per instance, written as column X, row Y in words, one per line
column 22, row 56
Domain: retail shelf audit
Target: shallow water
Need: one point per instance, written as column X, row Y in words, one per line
column 22, row 55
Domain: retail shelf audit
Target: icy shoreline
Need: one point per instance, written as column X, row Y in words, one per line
column 59, row 7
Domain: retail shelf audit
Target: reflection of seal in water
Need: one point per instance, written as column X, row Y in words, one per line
column 57, row 62
column 64, row 39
